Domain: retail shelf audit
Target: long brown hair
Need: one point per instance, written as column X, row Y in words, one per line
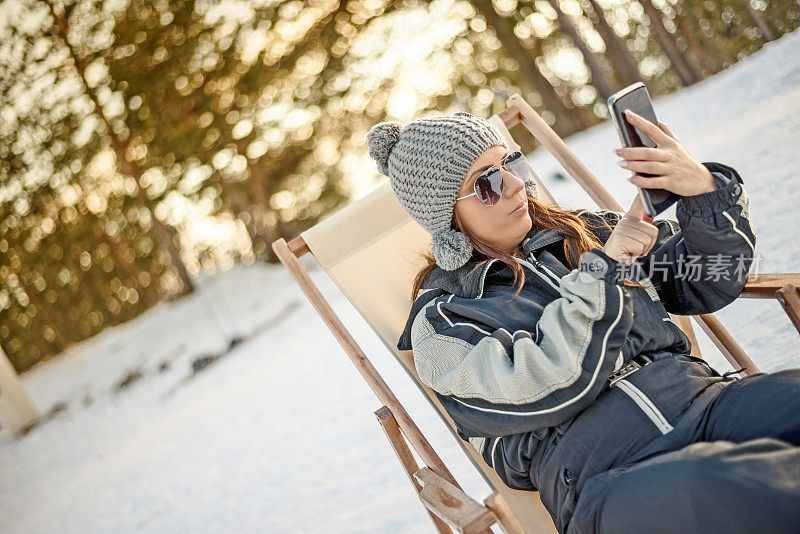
column 579, row 238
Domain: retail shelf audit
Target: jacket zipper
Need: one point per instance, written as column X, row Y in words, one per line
column 550, row 271
column 542, row 276
column 483, row 276
column 645, row 404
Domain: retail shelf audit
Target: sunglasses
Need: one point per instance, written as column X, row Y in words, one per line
column 489, row 185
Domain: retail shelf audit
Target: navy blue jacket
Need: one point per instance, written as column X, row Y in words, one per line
column 521, row 377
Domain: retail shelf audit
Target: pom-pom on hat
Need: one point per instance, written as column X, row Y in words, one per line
column 427, row 161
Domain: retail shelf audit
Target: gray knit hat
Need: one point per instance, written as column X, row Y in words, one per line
column 427, row 162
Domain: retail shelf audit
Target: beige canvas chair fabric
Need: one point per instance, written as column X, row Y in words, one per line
column 372, row 249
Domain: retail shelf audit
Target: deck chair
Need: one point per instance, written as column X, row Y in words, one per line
column 372, row 250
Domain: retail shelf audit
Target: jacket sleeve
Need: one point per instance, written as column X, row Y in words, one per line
column 494, row 382
column 703, row 266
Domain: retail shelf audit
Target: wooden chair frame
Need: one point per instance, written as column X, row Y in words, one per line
column 443, row 499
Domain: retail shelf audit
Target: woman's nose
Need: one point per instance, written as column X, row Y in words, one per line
column 511, row 184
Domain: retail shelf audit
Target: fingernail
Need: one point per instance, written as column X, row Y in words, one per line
column 618, row 151
column 623, row 164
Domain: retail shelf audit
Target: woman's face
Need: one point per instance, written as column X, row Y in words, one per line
column 496, row 224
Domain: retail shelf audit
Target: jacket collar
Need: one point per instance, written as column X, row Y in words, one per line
column 468, row 280
column 536, row 239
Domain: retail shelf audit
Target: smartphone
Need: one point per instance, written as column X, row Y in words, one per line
column 636, row 98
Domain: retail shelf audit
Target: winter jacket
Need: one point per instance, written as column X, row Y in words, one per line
column 526, row 380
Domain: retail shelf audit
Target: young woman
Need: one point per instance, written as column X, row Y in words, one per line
column 546, row 336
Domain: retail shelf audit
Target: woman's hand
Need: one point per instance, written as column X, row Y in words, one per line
column 633, row 236
column 677, row 170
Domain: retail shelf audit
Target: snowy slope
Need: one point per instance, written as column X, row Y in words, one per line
column 279, row 434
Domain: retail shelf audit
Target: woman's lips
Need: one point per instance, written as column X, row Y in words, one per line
column 518, row 209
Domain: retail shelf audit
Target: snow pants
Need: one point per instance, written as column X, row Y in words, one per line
column 739, row 471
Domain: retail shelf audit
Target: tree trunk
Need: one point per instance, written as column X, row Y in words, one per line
column 144, row 294
column 699, row 12
column 618, row 53
column 262, row 194
column 167, row 240
column 255, row 231
column 43, row 316
column 694, row 45
column 766, row 32
column 682, row 67
column 600, row 78
column 165, row 236
column 119, row 261
column 570, row 120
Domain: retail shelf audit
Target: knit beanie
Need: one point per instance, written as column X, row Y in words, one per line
column 427, row 162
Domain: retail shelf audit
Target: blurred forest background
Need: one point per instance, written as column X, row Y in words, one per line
column 145, row 142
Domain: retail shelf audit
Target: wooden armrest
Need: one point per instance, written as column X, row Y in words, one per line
column 789, row 298
column 452, row 505
column 765, row 285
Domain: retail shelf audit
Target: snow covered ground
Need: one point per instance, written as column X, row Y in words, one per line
column 279, row 434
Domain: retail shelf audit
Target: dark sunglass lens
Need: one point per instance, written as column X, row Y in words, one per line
column 490, row 187
column 518, row 166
